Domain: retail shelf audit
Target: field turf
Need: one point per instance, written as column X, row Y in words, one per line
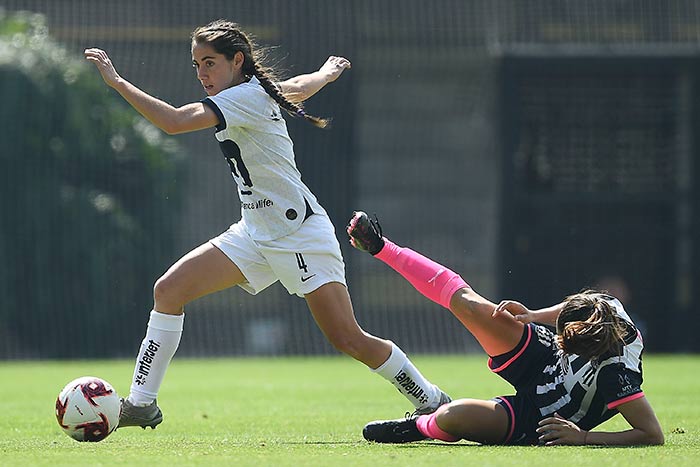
column 309, row 412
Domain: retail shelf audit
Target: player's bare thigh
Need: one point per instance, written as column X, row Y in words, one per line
column 200, row 272
column 497, row 335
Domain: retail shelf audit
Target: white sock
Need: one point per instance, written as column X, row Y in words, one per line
column 157, row 349
column 399, row 371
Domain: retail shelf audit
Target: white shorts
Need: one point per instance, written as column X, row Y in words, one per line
column 302, row 261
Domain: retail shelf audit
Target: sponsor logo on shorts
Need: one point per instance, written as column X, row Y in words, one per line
column 304, row 279
column 303, row 267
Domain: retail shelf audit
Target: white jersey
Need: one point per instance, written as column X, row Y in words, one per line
column 254, row 139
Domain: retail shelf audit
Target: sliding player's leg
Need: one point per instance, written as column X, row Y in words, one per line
column 497, row 335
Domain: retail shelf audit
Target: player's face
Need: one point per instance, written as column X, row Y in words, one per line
column 214, row 70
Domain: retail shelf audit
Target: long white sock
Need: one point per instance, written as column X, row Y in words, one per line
column 403, row 374
column 157, row 349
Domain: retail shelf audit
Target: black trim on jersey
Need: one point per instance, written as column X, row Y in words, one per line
column 309, row 212
column 630, row 332
column 222, row 121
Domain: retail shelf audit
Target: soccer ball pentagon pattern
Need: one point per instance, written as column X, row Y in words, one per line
column 88, row 409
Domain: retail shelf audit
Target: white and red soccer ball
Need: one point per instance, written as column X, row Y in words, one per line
column 88, row 409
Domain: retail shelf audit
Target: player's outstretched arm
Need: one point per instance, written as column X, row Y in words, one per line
column 645, row 431
column 525, row 315
column 301, row 87
column 172, row 120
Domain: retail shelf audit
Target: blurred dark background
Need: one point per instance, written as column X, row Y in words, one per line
column 537, row 148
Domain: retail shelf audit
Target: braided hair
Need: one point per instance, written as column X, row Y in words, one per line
column 227, row 38
column 588, row 326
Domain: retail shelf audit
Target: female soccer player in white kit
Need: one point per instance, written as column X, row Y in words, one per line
column 284, row 234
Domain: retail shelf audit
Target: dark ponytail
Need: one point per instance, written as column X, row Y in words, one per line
column 227, row 39
column 262, row 73
column 588, row 326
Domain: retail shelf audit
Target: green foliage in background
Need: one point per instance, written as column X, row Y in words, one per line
column 88, row 199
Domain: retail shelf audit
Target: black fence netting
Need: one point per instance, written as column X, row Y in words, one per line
column 534, row 147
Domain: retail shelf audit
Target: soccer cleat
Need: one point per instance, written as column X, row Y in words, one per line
column 365, row 233
column 444, row 399
column 149, row 415
column 393, row 431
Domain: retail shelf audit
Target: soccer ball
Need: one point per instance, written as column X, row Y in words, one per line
column 88, row 409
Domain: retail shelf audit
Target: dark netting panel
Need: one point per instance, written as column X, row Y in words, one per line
column 595, row 198
column 610, row 23
column 591, row 131
column 97, row 204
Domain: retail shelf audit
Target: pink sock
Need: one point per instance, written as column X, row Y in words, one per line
column 428, row 426
column 428, row 277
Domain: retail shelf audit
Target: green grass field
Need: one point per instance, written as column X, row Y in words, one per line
column 309, row 411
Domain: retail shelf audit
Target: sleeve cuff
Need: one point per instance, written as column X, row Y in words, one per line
column 618, row 402
column 215, row 108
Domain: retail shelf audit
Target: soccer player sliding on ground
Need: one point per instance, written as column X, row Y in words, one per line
column 284, row 233
column 566, row 382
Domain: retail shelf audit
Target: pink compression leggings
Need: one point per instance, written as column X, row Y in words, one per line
column 428, row 426
column 431, row 279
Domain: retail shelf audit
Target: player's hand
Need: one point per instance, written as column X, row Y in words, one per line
column 516, row 309
column 334, row 67
column 104, row 65
column 556, row 430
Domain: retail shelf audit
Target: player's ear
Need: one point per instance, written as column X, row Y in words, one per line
column 238, row 59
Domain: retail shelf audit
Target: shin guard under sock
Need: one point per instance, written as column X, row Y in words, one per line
column 405, row 377
column 157, row 349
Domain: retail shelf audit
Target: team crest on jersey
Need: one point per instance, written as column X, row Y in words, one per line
column 626, row 386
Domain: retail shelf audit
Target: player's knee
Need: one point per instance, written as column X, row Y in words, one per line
column 346, row 346
column 465, row 421
column 453, row 419
column 347, row 343
column 473, row 420
column 165, row 291
column 463, row 302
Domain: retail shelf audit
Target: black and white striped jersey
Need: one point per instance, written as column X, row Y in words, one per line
column 588, row 392
column 585, row 392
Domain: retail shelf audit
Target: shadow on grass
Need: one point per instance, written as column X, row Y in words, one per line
column 398, row 445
